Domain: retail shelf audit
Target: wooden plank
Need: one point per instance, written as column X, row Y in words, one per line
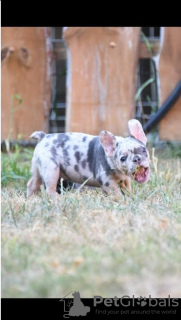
column 101, row 78
column 170, row 75
column 60, row 51
column 26, row 72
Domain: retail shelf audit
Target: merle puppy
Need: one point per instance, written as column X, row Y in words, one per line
column 105, row 161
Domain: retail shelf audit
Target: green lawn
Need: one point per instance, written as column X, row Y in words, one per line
column 88, row 242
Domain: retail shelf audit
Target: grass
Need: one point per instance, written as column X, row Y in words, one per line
column 15, row 166
column 88, row 242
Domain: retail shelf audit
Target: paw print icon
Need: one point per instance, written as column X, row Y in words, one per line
column 141, row 301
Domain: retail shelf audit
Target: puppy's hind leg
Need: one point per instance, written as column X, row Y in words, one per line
column 51, row 178
column 34, row 183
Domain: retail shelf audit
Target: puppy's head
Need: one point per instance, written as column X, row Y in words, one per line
column 128, row 155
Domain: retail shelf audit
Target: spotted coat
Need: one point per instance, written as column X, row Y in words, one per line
column 104, row 161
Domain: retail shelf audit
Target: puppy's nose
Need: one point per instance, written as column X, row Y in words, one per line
column 137, row 159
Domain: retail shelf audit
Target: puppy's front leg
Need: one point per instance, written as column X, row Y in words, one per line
column 125, row 185
column 111, row 187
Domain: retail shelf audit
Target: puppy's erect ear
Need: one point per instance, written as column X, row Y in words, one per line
column 136, row 130
column 108, row 142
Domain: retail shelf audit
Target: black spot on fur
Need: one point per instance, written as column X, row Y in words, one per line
column 83, row 163
column 141, row 150
column 49, row 136
column 100, row 181
column 62, row 138
column 91, row 154
column 107, row 184
column 76, row 147
column 76, row 168
column 96, row 157
column 53, row 151
column 66, row 158
column 42, row 135
column 84, row 139
column 77, row 156
column 65, row 152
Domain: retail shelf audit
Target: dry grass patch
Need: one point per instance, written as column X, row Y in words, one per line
column 86, row 241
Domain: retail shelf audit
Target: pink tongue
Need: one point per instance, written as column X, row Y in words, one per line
column 140, row 174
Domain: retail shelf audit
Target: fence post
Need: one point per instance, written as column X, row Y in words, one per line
column 101, row 78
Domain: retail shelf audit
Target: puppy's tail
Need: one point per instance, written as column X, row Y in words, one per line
column 38, row 135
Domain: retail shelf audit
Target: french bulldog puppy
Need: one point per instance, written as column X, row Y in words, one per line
column 104, row 161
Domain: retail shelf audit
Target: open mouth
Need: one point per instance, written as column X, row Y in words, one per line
column 141, row 174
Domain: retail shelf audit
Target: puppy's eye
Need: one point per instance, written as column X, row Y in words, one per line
column 123, row 158
column 144, row 149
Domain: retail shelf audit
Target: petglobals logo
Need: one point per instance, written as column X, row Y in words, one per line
column 76, row 307
column 127, row 301
column 97, row 306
